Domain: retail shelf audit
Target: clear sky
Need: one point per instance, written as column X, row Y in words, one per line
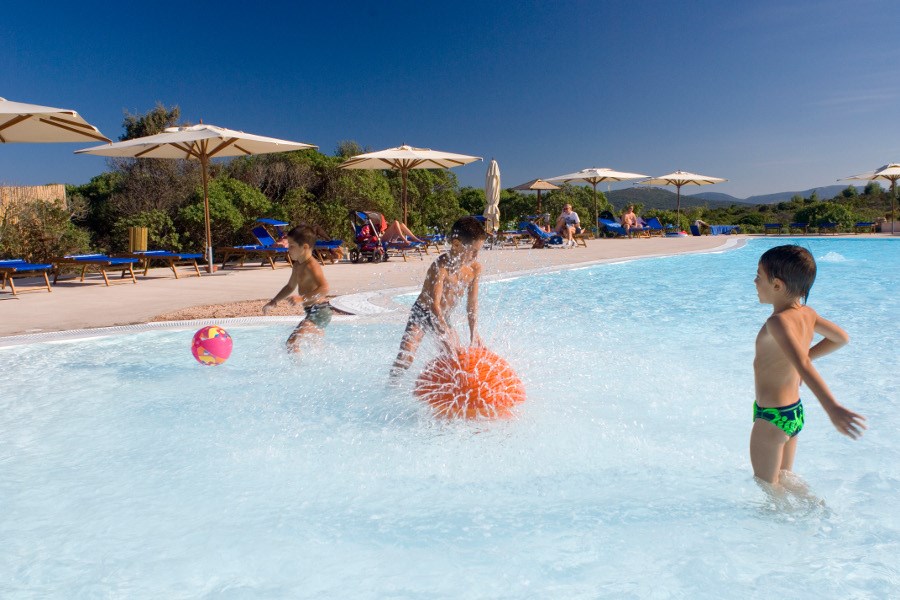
column 772, row 95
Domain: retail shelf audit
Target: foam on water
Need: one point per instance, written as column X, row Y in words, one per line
column 127, row 470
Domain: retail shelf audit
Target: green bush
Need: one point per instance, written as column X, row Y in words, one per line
column 754, row 219
column 232, row 205
column 39, row 231
column 161, row 232
column 826, row 212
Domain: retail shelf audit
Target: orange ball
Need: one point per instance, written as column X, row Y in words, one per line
column 471, row 383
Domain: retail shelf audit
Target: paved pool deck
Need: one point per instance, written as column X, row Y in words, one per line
column 76, row 305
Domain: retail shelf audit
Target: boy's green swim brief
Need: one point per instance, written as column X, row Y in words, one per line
column 789, row 419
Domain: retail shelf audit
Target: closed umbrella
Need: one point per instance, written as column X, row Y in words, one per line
column 595, row 176
column 198, row 142
column 492, row 197
column 31, row 123
column 404, row 158
column 537, row 185
column 680, row 178
column 889, row 172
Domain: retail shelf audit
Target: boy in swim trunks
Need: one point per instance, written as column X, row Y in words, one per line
column 784, row 358
column 451, row 275
column 309, row 281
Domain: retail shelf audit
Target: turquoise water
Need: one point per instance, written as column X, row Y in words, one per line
column 126, row 470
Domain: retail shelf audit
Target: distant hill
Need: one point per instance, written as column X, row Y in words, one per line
column 664, row 199
column 720, row 197
column 825, row 193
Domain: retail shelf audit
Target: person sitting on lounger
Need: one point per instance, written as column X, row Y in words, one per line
column 630, row 220
column 566, row 224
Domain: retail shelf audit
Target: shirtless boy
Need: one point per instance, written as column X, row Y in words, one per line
column 784, row 358
column 451, row 275
column 309, row 281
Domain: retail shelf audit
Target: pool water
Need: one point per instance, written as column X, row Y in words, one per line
column 127, row 470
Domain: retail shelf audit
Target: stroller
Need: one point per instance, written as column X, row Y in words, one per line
column 366, row 228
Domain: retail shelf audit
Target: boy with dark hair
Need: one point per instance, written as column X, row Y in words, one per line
column 450, row 276
column 309, row 281
column 784, row 359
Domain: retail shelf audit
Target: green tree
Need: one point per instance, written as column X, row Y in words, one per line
column 872, row 188
column 232, row 205
column 849, row 192
column 151, row 122
column 826, row 212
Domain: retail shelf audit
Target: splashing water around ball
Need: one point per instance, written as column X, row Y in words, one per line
column 211, row 346
column 472, row 383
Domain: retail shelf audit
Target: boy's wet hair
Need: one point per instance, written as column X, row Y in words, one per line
column 468, row 230
column 303, row 234
column 792, row 264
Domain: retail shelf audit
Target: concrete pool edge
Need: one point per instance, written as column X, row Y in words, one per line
column 365, row 304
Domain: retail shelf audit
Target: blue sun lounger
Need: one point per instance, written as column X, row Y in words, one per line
column 545, row 238
column 612, row 227
column 265, row 248
column 864, row 226
column 17, row 266
column 101, row 262
column 773, row 227
column 654, row 226
column 171, row 259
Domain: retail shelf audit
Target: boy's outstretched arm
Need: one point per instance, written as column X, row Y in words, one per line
column 786, row 333
column 284, row 293
column 833, row 338
column 472, row 306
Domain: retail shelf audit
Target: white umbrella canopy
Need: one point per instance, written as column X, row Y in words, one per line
column 680, row 178
column 31, row 123
column 595, row 176
column 889, row 172
column 404, row 158
column 197, row 142
column 492, row 197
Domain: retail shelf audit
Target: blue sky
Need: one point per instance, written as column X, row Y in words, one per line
column 772, row 95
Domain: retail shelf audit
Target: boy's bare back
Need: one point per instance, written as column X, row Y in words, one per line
column 777, row 380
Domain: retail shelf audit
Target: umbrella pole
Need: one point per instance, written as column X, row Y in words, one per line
column 204, row 162
column 678, row 208
column 539, row 202
column 596, row 212
column 893, row 198
column 403, row 196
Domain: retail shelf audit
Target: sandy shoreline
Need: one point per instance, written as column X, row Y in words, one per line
column 242, row 292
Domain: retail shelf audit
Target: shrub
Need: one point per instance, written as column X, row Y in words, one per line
column 40, row 230
column 826, row 212
column 232, row 205
column 161, row 232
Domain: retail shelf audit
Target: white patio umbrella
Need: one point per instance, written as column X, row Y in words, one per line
column 404, row 158
column 31, row 123
column 680, row 178
column 889, row 172
column 198, row 142
column 492, row 197
column 537, row 185
column 594, row 176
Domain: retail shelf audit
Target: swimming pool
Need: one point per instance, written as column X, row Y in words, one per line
column 126, row 470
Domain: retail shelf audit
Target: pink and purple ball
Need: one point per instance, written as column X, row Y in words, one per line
column 211, row 345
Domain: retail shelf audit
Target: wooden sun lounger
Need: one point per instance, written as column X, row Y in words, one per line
column 101, row 262
column 244, row 252
column 773, row 227
column 171, row 259
column 12, row 268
